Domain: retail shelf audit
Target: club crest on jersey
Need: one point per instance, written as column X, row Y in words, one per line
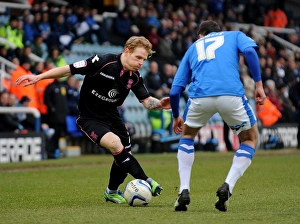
column 80, row 64
column 94, row 136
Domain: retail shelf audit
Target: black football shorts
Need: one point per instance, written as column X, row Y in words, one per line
column 95, row 129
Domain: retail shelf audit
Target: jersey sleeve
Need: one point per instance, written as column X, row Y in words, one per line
column 244, row 42
column 140, row 90
column 183, row 73
column 86, row 67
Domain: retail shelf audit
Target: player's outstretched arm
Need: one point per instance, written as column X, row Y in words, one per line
column 58, row 72
column 152, row 103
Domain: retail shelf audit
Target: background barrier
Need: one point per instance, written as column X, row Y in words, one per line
column 21, row 147
column 31, row 146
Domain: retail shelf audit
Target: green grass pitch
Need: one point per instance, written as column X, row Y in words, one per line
column 70, row 190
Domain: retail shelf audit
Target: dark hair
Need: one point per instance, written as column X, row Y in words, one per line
column 24, row 99
column 207, row 27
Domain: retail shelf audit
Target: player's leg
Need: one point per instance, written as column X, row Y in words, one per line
column 117, row 177
column 99, row 132
column 117, row 174
column 127, row 161
column 243, row 123
column 185, row 158
column 194, row 120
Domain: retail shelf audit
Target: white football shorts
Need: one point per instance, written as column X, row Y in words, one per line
column 234, row 110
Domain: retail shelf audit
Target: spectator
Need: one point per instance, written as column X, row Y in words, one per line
column 20, row 91
column 275, row 17
column 141, row 22
column 56, row 57
column 215, row 7
column 153, row 37
column 253, row 12
column 72, row 95
column 71, row 18
column 268, row 113
column 154, row 81
column 6, row 79
column 56, row 100
column 20, row 40
column 37, row 68
column 165, row 27
column 272, row 94
column 4, row 52
column 39, row 48
column 30, row 30
column 95, row 28
column 122, row 26
column 294, row 95
column 9, row 121
column 45, row 28
column 164, row 50
column 4, row 95
column 11, row 34
column 40, row 91
column 61, row 36
column 27, row 120
column 288, row 107
column 152, row 19
column 12, row 100
column 179, row 45
column 24, row 55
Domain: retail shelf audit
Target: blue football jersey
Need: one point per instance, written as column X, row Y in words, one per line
column 211, row 64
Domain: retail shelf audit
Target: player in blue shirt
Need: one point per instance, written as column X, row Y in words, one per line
column 211, row 64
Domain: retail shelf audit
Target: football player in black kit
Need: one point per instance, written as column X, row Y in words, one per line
column 108, row 80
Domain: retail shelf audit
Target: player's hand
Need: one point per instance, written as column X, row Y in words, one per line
column 177, row 125
column 260, row 96
column 27, row 80
column 165, row 103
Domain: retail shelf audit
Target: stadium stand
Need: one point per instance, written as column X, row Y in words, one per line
column 134, row 111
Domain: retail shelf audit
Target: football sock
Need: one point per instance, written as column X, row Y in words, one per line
column 111, row 191
column 117, row 176
column 129, row 164
column 185, row 156
column 241, row 161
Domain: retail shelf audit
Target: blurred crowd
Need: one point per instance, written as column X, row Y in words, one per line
column 49, row 31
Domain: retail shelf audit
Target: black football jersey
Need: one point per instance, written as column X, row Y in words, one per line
column 106, row 85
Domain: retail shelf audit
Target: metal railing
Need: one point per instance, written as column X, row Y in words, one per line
column 4, row 62
column 27, row 110
column 32, row 56
column 262, row 31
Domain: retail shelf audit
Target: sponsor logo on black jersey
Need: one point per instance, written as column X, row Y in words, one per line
column 111, row 93
column 107, row 76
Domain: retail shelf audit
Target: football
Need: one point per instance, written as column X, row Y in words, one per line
column 138, row 193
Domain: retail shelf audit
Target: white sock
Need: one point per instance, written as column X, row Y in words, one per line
column 111, row 191
column 238, row 167
column 185, row 163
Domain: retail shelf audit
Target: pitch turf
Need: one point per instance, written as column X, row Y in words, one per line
column 70, row 190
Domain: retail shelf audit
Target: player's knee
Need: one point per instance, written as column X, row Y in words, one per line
column 111, row 142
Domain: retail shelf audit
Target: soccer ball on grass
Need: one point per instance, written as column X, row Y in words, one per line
column 138, row 193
